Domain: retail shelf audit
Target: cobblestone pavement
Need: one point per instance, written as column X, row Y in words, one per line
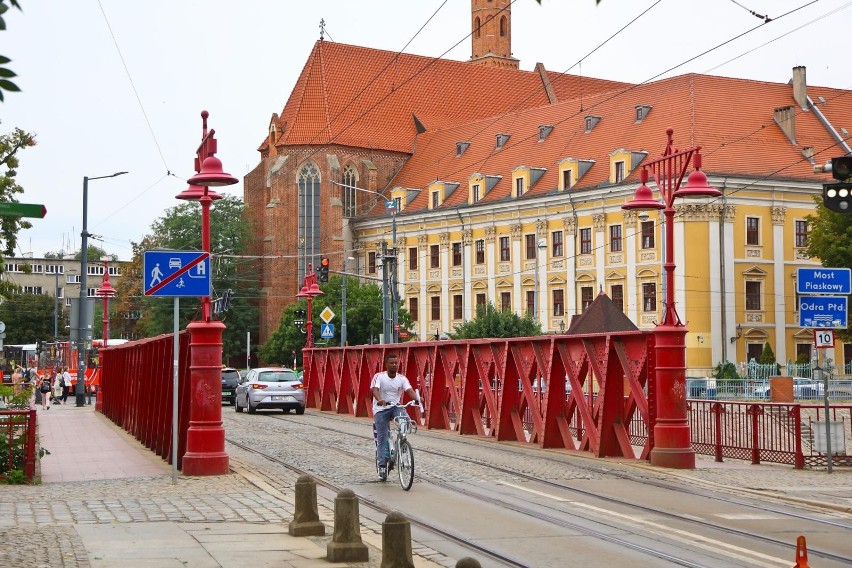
column 37, row 523
column 832, row 491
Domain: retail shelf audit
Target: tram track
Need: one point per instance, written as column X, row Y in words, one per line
column 549, row 517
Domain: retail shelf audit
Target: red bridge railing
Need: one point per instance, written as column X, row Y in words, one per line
column 18, row 442
column 577, row 392
column 136, row 391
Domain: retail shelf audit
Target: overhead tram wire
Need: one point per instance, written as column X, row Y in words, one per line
column 617, row 94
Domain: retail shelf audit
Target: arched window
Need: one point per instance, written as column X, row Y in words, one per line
column 477, row 25
column 503, row 25
column 350, row 182
column 309, row 217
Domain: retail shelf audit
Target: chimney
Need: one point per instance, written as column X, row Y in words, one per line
column 785, row 118
column 800, row 86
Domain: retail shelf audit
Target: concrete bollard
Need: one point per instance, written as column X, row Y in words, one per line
column 396, row 542
column 346, row 544
column 306, row 517
column 468, row 562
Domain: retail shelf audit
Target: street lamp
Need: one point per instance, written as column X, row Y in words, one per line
column 343, row 329
column 205, row 437
column 672, row 443
column 390, row 303
column 542, row 245
column 106, row 291
column 83, row 299
column 309, row 290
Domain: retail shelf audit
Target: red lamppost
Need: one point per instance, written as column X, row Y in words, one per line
column 309, row 290
column 672, row 443
column 205, row 438
column 106, row 291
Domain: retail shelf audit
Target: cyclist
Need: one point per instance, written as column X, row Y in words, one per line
column 387, row 388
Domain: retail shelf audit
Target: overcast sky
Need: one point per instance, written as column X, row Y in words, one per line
column 118, row 85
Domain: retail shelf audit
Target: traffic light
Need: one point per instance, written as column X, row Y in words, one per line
column 322, row 274
column 838, row 196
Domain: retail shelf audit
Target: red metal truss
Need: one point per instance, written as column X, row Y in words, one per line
column 509, row 389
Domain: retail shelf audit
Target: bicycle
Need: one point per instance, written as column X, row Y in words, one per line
column 401, row 453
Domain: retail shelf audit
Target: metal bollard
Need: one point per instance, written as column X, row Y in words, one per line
column 306, row 517
column 396, row 542
column 468, row 562
column 346, row 544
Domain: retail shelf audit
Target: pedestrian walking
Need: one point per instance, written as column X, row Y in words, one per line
column 56, row 381
column 44, row 389
column 17, row 379
column 66, row 384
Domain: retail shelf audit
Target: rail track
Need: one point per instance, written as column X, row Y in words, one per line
column 600, row 529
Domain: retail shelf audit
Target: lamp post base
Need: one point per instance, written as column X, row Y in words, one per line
column 205, row 438
column 672, row 439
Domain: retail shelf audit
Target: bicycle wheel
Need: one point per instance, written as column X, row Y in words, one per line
column 405, row 464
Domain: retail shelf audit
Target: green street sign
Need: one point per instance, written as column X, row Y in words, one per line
column 9, row 209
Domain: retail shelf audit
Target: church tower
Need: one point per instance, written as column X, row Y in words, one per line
column 491, row 27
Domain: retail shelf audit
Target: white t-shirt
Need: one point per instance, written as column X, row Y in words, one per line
column 66, row 378
column 390, row 389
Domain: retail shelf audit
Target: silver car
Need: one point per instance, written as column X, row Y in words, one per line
column 270, row 387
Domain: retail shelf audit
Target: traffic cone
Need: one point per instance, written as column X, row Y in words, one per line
column 801, row 553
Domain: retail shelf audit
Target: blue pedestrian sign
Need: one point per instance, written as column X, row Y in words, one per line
column 327, row 330
column 170, row 273
column 823, row 312
column 821, row 280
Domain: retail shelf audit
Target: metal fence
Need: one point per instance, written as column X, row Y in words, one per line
column 18, row 442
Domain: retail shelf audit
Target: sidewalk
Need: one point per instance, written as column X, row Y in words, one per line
column 107, row 501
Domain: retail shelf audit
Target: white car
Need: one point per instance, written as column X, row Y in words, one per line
column 270, row 388
column 803, row 388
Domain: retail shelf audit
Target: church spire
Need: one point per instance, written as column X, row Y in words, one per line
column 491, row 32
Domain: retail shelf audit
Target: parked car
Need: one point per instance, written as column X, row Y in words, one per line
column 701, row 387
column 270, row 388
column 230, row 380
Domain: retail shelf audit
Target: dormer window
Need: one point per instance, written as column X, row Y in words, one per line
column 501, row 140
column 642, row 111
column 591, row 122
column 461, row 147
column 475, row 194
column 436, row 199
column 519, row 187
column 544, row 131
column 619, row 172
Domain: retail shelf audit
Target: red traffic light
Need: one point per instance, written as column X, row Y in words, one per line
column 325, row 262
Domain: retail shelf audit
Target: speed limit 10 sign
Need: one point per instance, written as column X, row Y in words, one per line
column 823, row 338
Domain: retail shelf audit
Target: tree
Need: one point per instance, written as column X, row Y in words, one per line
column 491, row 322
column 180, row 229
column 363, row 319
column 6, row 74
column 94, row 252
column 830, row 240
column 10, row 145
column 28, row 318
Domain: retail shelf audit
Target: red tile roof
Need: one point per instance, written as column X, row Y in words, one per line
column 362, row 97
column 732, row 119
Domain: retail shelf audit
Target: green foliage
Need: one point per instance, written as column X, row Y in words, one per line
column 767, row 355
column 726, row 371
column 29, row 318
column 6, row 73
column 94, row 252
column 13, row 442
column 10, row 145
column 802, row 359
column 363, row 319
column 491, row 322
column 830, row 240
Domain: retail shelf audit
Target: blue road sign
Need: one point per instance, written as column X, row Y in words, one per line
column 169, row 273
column 824, row 281
column 326, row 330
column 823, row 312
